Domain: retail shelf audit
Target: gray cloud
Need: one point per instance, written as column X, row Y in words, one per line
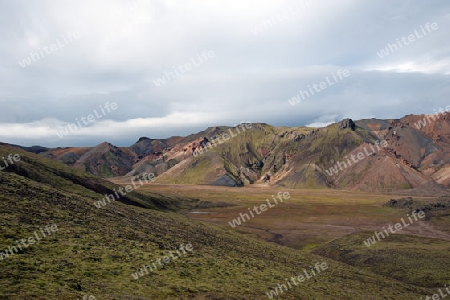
column 124, row 46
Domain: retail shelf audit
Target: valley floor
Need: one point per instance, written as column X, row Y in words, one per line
column 310, row 218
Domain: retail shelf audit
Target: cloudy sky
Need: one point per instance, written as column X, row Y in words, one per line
column 241, row 60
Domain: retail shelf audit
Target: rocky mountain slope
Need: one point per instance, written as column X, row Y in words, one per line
column 379, row 155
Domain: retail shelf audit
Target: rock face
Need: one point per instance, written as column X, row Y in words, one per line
column 347, row 123
column 299, row 137
column 225, row 180
column 204, row 142
column 69, row 158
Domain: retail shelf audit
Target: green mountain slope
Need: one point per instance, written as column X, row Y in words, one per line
column 96, row 251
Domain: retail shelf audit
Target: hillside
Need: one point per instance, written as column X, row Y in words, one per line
column 415, row 152
column 96, row 251
column 399, row 257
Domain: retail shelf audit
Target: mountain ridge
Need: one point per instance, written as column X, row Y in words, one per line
column 416, row 151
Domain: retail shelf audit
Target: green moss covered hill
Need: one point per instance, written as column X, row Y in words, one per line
column 95, row 251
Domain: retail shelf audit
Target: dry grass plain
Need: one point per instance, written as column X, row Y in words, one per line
column 309, row 219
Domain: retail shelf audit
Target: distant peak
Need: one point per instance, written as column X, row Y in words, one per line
column 143, row 138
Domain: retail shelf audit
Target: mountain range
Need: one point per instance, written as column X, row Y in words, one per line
column 395, row 155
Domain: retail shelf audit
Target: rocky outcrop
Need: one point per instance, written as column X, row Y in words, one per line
column 226, row 180
column 204, row 142
column 299, row 137
column 347, row 123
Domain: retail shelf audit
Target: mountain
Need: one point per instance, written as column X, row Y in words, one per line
column 372, row 155
column 101, row 251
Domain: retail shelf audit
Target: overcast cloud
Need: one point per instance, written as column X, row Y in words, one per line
column 125, row 46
